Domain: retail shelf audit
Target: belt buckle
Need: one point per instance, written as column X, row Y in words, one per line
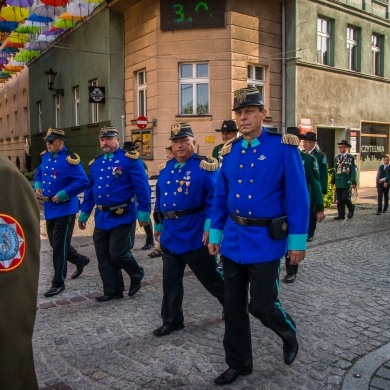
column 46, row 199
column 171, row 214
column 242, row 221
column 100, row 207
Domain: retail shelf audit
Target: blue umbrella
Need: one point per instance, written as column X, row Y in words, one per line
column 41, row 19
column 6, row 26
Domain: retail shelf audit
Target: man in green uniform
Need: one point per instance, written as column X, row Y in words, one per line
column 228, row 131
column 19, row 271
column 343, row 178
column 310, row 146
column 312, row 175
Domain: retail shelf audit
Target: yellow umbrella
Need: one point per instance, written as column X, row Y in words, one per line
column 68, row 16
column 14, row 14
column 15, row 37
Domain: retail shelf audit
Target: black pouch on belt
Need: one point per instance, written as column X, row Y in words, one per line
column 277, row 228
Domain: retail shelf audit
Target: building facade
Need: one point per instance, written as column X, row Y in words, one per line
column 338, row 76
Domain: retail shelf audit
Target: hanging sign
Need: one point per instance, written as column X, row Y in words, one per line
column 97, row 94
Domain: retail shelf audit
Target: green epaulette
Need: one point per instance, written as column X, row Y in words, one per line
column 228, row 146
column 207, row 163
column 72, row 158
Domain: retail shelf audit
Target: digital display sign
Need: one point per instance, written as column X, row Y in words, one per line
column 187, row 14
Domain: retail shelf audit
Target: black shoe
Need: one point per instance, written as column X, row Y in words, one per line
column 54, row 291
column 80, row 269
column 351, row 212
column 147, row 247
column 289, row 278
column 106, row 298
column 134, row 288
column 167, row 329
column 230, row 375
column 310, row 239
column 290, row 352
column 339, row 217
column 378, row 213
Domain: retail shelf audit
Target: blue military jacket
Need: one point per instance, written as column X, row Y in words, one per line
column 185, row 186
column 266, row 180
column 114, row 180
column 60, row 174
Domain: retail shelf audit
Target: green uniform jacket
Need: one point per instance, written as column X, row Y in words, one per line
column 216, row 152
column 345, row 171
column 19, row 229
column 323, row 167
column 313, row 181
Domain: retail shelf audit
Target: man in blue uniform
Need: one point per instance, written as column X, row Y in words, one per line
column 116, row 178
column 59, row 179
column 260, row 212
column 184, row 195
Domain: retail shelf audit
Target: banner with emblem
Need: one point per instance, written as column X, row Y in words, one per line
column 97, row 94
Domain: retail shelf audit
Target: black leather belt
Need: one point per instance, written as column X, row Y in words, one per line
column 109, row 208
column 250, row 221
column 182, row 213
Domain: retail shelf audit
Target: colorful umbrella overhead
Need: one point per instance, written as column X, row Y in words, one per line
column 36, row 45
column 13, row 45
column 9, row 50
column 27, row 55
column 54, row 31
column 25, row 29
column 6, row 26
column 68, row 16
column 56, row 3
column 15, row 37
column 40, row 19
column 5, row 75
column 20, row 3
column 46, row 38
column 14, row 14
column 47, row 11
column 62, row 23
column 3, row 60
column 80, row 8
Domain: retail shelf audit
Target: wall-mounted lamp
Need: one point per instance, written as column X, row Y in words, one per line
column 51, row 76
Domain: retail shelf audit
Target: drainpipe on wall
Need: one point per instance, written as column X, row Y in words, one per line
column 283, row 66
column 123, row 129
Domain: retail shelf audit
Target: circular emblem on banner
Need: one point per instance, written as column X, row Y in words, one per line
column 12, row 243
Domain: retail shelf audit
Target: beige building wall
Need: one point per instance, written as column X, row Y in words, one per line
column 252, row 36
column 14, row 118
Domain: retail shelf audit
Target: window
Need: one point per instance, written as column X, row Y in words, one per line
column 141, row 93
column 57, row 103
column 39, row 108
column 376, row 62
column 323, row 41
column 94, row 106
column 76, row 92
column 256, row 78
column 25, row 121
column 374, row 144
column 15, row 130
column 194, row 89
column 352, row 48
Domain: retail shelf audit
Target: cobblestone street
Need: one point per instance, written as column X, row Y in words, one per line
column 340, row 302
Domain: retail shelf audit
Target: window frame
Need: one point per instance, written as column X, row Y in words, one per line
column 353, row 48
column 327, row 35
column 76, row 96
column 142, row 92
column 194, row 82
column 253, row 81
column 377, row 55
column 94, row 106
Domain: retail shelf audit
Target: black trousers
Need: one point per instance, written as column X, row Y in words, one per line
column 114, row 254
column 148, row 230
column 59, row 231
column 262, row 281
column 204, row 268
column 343, row 199
column 312, row 223
column 383, row 194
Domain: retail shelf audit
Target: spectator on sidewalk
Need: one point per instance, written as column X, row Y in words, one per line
column 184, row 194
column 116, row 178
column 19, row 272
column 382, row 186
column 310, row 146
column 58, row 180
column 344, row 178
column 260, row 211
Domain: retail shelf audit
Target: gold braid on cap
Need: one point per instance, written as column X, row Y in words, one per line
column 133, row 155
column 290, row 139
column 209, row 164
column 162, row 166
column 73, row 158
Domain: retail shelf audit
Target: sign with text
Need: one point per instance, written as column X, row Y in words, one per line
column 97, row 94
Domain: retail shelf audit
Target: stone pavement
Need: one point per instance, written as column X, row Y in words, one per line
column 340, row 302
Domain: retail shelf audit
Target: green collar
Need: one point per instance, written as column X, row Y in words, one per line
column 108, row 155
column 180, row 165
column 253, row 143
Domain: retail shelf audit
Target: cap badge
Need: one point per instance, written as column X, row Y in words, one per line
column 175, row 129
column 240, row 95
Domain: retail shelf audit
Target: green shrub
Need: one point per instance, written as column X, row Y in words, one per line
column 29, row 175
column 329, row 197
